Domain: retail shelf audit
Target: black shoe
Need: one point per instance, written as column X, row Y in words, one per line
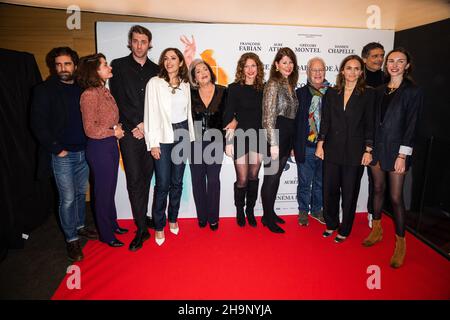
column 339, row 239
column 272, row 226
column 327, row 234
column 214, row 226
column 74, row 251
column 120, row 230
column 138, row 240
column 278, row 219
column 149, row 222
column 202, row 224
column 90, row 234
column 115, row 243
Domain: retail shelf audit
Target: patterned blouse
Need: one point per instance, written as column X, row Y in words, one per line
column 277, row 101
column 100, row 112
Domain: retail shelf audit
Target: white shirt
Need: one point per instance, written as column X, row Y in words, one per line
column 179, row 106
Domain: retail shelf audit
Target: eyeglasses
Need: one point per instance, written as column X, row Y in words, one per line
column 317, row 70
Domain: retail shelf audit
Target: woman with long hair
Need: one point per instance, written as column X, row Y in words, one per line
column 280, row 106
column 242, row 117
column 100, row 120
column 168, row 130
column 345, row 144
column 396, row 112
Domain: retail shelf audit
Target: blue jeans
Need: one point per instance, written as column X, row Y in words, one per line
column 309, row 189
column 71, row 175
column 169, row 181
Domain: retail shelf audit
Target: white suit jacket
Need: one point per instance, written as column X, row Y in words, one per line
column 158, row 110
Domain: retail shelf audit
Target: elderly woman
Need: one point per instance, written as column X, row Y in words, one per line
column 208, row 103
column 309, row 167
column 396, row 112
column 167, row 126
column 280, row 106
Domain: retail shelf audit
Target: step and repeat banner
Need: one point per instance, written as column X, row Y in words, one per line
column 221, row 45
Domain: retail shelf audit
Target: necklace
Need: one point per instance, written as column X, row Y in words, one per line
column 392, row 90
column 175, row 87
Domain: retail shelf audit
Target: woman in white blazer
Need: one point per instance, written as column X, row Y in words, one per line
column 168, row 130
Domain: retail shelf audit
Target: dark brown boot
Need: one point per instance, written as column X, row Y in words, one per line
column 74, row 251
column 376, row 234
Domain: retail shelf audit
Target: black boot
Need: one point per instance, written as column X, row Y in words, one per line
column 271, row 225
column 252, row 195
column 239, row 202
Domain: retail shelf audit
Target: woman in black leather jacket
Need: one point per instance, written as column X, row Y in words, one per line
column 208, row 101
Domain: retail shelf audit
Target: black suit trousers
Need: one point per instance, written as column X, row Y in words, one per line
column 139, row 168
column 340, row 180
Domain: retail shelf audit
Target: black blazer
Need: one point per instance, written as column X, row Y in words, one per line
column 49, row 116
column 398, row 127
column 304, row 97
column 347, row 133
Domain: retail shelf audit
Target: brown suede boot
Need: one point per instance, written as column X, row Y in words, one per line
column 399, row 252
column 376, row 234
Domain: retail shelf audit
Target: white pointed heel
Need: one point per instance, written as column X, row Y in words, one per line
column 175, row 230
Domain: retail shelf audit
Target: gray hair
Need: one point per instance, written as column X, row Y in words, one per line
column 310, row 61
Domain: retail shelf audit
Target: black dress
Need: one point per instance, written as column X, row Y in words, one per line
column 244, row 103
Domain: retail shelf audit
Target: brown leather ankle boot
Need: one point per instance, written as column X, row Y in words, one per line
column 376, row 234
column 399, row 252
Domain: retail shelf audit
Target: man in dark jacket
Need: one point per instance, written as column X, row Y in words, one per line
column 57, row 124
column 373, row 56
column 309, row 167
column 131, row 74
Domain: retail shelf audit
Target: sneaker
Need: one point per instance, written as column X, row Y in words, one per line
column 74, row 251
column 318, row 216
column 303, row 218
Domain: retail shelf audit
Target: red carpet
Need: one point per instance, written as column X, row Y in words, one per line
column 253, row 263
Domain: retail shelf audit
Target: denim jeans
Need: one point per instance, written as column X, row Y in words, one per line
column 71, row 175
column 169, row 180
column 309, row 189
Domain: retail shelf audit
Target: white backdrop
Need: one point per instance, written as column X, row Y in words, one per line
column 222, row 45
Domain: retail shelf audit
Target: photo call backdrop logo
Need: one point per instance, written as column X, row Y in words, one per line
column 221, row 45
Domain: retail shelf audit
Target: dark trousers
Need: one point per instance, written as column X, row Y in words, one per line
column 169, row 179
column 340, row 180
column 269, row 189
column 206, row 181
column 139, row 166
column 103, row 158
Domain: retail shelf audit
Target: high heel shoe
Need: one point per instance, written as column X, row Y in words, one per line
column 159, row 241
column 175, row 230
column 279, row 220
column 115, row 243
column 120, row 230
column 214, row 226
column 327, row 233
column 272, row 226
column 339, row 239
